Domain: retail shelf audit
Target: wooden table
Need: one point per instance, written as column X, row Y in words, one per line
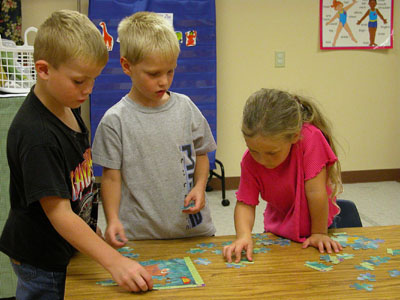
column 278, row 274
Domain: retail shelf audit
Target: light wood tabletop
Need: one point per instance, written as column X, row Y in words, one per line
column 279, row 273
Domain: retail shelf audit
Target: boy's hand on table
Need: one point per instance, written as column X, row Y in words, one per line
column 322, row 242
column 198, row 197
column 130, row 275
column 236, row 249
column 115, row 234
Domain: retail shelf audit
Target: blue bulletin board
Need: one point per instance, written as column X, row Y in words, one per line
column 195, row 76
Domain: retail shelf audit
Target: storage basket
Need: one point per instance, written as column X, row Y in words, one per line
column 17, row 68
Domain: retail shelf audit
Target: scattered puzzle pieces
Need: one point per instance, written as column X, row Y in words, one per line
column 125, row 249
column 356, row 242
column 362, row 286
column 365, row 266
column 202, row 261
column 394, row 273
column 261, row 250
column 226, row 243
column 235, row 265
column 130, row 255
column 331, row 258
column 206, row 245
column 108, row 282
column 366, row 276
column 318, row 266
column 345, row 256
column 393, row 251
column 196, row 250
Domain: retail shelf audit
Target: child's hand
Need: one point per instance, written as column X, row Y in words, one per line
column 321, row 242
column 198, row 197
column 115, row 234
column 130, row 275
column 236, row 249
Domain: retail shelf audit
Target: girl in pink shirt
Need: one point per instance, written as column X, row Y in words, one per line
column 291, row 163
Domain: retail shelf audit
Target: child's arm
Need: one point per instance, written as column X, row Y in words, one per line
column 333, row 18
column 244, row 222
column 111, row 195
column 126, row 272
column 197, row 193
column 350, row 5
column 363, row 17
column 380, row 16
column 317, row 198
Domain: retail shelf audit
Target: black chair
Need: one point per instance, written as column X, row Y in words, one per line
column 348, row 216
column 224, row 202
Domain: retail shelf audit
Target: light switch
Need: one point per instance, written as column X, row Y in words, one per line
column 279, row 59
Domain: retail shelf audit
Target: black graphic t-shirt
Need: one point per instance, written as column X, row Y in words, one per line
column 46, row 158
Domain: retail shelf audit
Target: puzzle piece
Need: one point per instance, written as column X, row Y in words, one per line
column 393, row 251
column 217, row 251
column 206, row 245
column 264, row 242
column 318, row 266
column 365, row 266
column 125, row 249
column 366, row 276
column 226, row 243
column 356, row 242
column 202, row 261
column 331, row 258
column 345, row 256
column 196, row 250
column 130, row 255
column 260, row 235
column 191, row 204
column 261, row 250
column 244, row 260
column 235, row 265
column 394, row 273
column 362, row 286
column 108, row 282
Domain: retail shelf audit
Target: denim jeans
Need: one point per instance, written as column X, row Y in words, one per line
column 38, row 284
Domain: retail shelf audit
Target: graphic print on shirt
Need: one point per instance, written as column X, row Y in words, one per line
column 82, row 182
column 189, row 167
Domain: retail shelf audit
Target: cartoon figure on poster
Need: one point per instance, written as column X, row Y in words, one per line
column 342, row 16
column 373, row 14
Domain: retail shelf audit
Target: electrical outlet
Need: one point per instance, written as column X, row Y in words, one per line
column 279, row 59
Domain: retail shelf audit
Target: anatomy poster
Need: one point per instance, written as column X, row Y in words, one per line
column 356, row 24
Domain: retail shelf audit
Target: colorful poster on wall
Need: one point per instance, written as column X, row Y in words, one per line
column 356, row 24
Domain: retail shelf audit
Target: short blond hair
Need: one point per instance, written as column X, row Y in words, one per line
column 145, row 33
column 68, row 35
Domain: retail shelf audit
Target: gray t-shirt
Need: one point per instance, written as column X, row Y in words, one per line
column 155, row 148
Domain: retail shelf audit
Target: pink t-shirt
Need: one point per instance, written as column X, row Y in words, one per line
column 287, row 213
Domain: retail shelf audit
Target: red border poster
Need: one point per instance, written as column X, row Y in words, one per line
column 356, row 24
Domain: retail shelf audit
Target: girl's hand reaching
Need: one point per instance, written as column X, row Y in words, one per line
column 321, row 242
column 236, row 249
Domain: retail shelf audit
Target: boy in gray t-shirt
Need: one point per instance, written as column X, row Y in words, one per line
column 153, row 144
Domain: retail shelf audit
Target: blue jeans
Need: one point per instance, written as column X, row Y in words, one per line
column 38, row 284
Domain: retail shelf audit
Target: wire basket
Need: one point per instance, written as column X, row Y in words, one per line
column 17, row 68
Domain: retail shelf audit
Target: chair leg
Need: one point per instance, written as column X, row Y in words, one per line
column 225, row 202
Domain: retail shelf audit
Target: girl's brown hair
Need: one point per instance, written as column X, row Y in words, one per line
column 271, row 112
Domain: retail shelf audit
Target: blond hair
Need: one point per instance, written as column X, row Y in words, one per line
column 145, row 33
column 68, row 35
column 270, row 112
